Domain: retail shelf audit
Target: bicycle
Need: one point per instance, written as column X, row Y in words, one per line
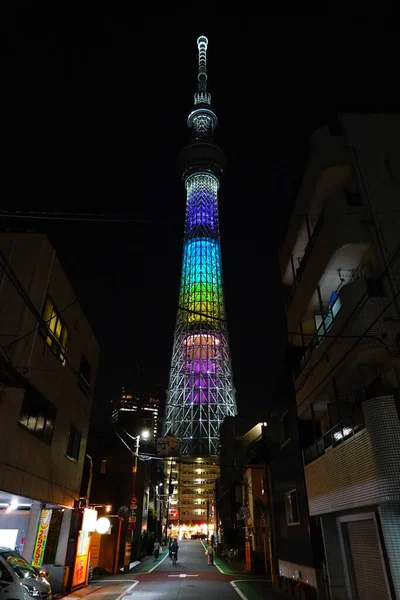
column 173, row 554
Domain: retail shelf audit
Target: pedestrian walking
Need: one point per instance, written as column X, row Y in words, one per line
column 210, row 554
column 156, row 549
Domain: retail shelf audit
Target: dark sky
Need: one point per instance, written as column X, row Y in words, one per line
column 96, row 105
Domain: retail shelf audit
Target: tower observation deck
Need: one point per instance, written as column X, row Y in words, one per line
column 201, row 391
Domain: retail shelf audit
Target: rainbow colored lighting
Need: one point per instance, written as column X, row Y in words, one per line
column 201, row 285
column 201, row 392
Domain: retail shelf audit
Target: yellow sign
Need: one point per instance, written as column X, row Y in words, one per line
column 81, row 560
column 41, row 538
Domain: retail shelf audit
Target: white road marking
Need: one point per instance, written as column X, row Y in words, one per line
column 126, row 592
column 155, row 566
column 235, row 587
column 214, row 563
column 110, row 581
column 183, row 575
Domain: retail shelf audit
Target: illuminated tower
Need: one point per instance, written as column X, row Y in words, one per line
column 201, row 392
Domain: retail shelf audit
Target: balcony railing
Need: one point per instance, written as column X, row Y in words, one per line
column 323, row 328
column 335, row 436
column 307, row 252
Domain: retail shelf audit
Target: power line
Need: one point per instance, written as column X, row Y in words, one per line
column 59, row 312
column 351, row 349
column 89, row 217
column 363, row 301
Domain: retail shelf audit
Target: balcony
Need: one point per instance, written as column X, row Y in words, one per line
column 351, row 330
column 334, row 437
column 357, row 463
column 326, row 323
column 298, row 273
column 334, row 241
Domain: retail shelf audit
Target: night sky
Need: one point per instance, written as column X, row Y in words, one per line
column 96, row 107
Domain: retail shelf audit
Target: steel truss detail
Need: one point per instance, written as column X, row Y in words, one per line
column 201, row 391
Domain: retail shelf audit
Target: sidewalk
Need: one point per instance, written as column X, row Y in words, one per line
column 256, row 589
column 78, row 594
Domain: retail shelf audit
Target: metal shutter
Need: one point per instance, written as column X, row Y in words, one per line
column 368, row 568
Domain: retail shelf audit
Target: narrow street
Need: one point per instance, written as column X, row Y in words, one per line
column 192, row 578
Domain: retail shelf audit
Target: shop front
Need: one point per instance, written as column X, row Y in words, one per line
column 39, row 532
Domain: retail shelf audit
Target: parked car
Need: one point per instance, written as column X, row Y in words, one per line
column 19, row 580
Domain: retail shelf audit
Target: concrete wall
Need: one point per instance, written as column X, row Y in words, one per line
column 28, row 466
column 15, row 520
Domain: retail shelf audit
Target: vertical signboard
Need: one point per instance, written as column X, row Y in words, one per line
column 81, row 560
column 41, row 538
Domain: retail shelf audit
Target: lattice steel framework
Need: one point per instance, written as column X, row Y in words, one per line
column 201, row 392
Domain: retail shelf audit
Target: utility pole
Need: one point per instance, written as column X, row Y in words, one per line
column 131, row 528
column 208, row 514
column 170, row 490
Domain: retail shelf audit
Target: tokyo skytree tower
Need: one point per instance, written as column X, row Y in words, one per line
column 201, row 391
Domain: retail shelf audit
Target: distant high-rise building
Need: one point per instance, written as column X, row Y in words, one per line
column 136, row 413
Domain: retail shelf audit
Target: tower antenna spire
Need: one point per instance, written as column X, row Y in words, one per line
column 202, row 96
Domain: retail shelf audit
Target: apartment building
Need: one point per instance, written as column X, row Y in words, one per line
column 190, row 483
column 296, row 536
column 48, row 364
column 341, row 265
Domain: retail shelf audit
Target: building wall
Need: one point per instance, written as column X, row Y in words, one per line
column 28, row 466
column 363, row 470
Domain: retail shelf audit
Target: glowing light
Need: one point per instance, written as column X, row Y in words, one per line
column 201, row 392
column 145, row 434
column 103, row 525
column 12, row 506
column 339, row 435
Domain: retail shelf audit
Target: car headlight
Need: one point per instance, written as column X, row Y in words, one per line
column 32, row 591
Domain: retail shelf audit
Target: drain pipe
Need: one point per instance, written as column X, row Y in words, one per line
column 89, row 486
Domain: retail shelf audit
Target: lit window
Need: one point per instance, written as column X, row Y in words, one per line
column 56, row 332
column 292, row 508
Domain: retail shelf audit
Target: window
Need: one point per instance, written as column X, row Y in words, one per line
column 56, row 333
column 85, row 372
column 285, row 434
column 103, row 466
column 292, row 508
column 38, row 415
column 74, row 443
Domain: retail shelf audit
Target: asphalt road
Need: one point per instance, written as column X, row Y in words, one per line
column 190, row 579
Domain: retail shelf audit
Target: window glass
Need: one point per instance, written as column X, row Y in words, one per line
column 74, row 443
column 56, row 333
column 292, row 509
column 285, row 433
column 37, row 415
column 85, row 372
column 19, row 564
